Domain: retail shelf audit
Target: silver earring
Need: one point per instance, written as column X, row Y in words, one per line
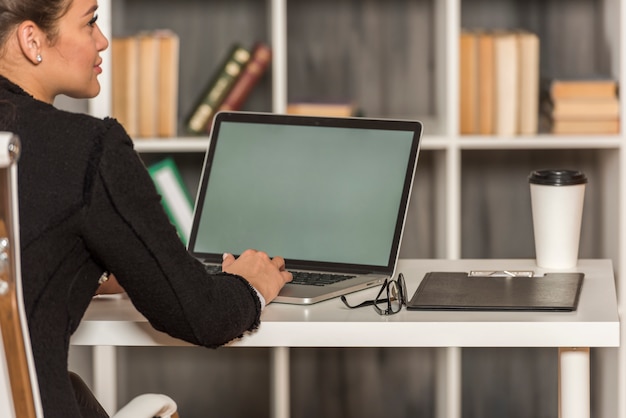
column 38, row 58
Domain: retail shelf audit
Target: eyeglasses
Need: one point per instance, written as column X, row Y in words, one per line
column 396, row 297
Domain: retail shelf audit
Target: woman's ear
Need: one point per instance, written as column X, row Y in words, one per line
column 30, row 39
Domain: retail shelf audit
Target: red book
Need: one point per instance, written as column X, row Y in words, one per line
column 260, row 58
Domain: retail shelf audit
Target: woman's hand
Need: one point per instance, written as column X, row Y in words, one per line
column 265, row 274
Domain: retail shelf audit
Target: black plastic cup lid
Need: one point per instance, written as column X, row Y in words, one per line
column 557, row 177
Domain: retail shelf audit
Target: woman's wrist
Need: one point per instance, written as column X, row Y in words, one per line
column 260, row 296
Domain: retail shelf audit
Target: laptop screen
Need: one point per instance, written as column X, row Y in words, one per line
column 317, row 191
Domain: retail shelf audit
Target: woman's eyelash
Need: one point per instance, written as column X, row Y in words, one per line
column 93, row 20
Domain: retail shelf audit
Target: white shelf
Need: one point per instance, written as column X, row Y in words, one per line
column 429, row 142
column 172, row 145
column 541, row 142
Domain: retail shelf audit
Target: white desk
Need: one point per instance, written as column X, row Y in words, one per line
column 114, row 322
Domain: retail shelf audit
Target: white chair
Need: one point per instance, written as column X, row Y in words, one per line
column 19, row 390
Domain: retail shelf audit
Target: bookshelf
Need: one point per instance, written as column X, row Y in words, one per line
column 400, row 59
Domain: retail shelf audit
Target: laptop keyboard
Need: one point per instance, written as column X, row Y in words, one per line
column 318, row 279
column 300, row 277
column 213, row 268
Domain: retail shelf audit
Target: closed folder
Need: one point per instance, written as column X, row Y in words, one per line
column 460, row 291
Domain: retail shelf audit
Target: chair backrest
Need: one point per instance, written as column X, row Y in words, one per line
column 19, row 391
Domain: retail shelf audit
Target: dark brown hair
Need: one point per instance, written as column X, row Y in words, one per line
column 45, row 13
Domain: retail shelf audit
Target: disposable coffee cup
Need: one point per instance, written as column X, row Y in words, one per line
column 557, row 207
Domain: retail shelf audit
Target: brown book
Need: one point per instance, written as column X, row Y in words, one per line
column 260, row 58
column 167, row 106
column 148, row 85
column 583, row 109
column 486, row 88
column 468, row 86
column 506, row 83
column 321, row 109
column 606, row 126
column 124, row 78
column 591, row 87
column 528, row 58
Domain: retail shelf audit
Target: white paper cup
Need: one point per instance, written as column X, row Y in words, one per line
column 557, row 207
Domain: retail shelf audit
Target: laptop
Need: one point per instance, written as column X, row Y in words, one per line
column 328, row 194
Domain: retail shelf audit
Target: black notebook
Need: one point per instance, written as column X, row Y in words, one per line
column 460, row 291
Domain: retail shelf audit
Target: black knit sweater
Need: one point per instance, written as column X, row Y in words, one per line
column 87, row 205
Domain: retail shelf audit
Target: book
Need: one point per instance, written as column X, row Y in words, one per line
column 529, row 86
column 145, row 70
column 124, row 80
column 585, row 105
column 322, row 109
column 582, row 109
column 486, row 87
column 260, row 58
column 606, row 126
column 174, row 194
column 168, row 68
column 468, row 91
column 499, row 82
column 148, row 85
column 506, row 75
column 220, row 84
column 583, row 87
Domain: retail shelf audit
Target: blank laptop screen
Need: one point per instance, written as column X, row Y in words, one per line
column 314, row 193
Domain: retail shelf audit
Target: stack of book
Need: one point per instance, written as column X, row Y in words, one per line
column 581, row 106
column 145, row 83
column 230, row 85
column 499, row 82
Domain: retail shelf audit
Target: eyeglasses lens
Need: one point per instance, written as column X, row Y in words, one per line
column 389, row 300
column 402, row 287
column 395, row 297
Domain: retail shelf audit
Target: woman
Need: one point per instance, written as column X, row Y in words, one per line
column 88, row 207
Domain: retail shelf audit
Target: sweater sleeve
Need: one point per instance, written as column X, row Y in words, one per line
column 128, row 232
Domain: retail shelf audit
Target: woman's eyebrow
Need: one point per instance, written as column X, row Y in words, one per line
column 91, row 10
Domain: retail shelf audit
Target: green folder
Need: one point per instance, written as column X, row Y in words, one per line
column 175, row 196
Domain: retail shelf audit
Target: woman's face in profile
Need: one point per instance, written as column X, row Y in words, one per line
column 74, row 55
